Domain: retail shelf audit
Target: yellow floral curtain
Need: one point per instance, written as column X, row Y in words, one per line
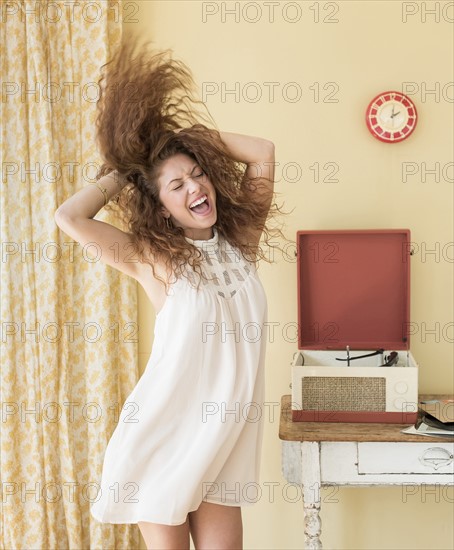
column 69, row 332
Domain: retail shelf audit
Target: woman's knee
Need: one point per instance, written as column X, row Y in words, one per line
column 215, row 526
column 158, row 536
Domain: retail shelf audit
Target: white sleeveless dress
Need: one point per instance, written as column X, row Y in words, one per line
column 193, row 428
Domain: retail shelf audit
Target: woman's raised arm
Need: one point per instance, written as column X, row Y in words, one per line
column 89, row 200
column 75, row 218
column 258, row 155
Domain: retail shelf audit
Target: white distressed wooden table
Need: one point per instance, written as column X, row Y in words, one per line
column 317, row 454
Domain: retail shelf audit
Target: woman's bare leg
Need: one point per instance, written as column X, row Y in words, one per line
column 216, row 527
column 165, row 537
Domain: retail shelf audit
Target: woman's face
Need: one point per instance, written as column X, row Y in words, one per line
column 181, row 182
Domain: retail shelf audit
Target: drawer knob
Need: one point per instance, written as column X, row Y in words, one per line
column 436, row 457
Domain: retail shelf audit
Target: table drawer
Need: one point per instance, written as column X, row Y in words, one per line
column 405, row 458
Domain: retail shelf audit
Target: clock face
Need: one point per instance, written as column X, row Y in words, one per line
column 391, row 117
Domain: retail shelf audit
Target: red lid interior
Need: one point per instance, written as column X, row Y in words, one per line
column 353, row 289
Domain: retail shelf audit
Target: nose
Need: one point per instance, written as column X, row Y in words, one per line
column 193, row 184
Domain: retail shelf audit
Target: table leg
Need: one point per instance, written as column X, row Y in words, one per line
column 311, row 494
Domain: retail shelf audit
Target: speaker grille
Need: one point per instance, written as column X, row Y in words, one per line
column 326, row 393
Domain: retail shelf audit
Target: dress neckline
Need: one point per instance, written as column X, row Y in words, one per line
column 204, row 243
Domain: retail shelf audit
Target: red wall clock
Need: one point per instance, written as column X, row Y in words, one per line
column 391, row 117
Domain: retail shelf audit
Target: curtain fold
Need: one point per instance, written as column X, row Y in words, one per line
column 69, row 331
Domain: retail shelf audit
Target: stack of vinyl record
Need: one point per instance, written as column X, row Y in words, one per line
column 436, row 419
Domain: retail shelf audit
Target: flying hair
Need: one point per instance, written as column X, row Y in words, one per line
column 148, row 111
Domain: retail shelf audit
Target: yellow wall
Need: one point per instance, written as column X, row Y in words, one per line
column 373, row 47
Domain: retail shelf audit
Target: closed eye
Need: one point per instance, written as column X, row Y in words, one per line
column 197, row 176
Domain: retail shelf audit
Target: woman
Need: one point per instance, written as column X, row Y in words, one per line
column 190, row 458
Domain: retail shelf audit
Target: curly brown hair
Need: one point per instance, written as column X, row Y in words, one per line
column 147, row 112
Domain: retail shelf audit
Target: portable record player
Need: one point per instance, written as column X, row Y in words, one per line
column 354, row 362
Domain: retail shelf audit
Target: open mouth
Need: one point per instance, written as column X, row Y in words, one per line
column 203, row 208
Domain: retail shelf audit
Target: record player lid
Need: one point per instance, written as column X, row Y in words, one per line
column 353, row 289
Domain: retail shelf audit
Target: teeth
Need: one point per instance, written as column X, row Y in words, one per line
column 202, row 199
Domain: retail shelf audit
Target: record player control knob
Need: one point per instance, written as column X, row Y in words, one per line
column 399, row 403
column 401, row 387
